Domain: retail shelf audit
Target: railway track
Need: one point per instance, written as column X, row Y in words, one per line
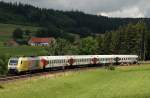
column 5, row 79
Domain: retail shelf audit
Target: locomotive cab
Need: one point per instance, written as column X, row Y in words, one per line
column 12, row 65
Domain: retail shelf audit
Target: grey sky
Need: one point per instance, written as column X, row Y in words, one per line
column 114, row 8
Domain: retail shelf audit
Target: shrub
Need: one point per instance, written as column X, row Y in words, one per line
column 3, row 63
column 1, row 87
column 111, row 67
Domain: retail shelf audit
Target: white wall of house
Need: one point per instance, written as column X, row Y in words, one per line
column 39, row 44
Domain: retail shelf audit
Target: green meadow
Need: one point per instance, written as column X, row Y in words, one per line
column 22, row 51
column 7, row 29
column 124, row 82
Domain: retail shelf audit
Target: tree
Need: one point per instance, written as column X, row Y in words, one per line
column 88, row 45
column 107, row 43
column 18, row 33
column 100, row 44
column 21, row 36
column 3, row 63
column 61, row 47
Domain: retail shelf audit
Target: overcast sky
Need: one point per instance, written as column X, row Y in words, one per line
column 113, row 8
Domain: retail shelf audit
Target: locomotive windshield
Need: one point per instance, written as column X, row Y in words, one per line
column 13, row 62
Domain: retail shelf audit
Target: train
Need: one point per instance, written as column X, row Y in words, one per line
column 24, row 64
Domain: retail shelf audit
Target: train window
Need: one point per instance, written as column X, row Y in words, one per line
column 13, row 62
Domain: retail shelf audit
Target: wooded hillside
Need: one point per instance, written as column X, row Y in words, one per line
column 57, row 21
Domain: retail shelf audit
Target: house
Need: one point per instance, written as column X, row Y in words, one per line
column 36, row 41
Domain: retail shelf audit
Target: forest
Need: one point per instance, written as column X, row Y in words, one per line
column 62, row 21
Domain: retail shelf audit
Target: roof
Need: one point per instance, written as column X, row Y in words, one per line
column 41, row 40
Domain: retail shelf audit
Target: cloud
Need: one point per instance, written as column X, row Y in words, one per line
column 133, row 12
column 115, row 8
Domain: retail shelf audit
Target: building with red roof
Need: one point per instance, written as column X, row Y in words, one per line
column 36, row 41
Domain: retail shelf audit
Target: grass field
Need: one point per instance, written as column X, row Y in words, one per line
column 7, row 29
column 124, row 82
column 22, row 50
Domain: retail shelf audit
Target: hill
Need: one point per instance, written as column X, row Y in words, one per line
column 7, row 29
column 56, row 21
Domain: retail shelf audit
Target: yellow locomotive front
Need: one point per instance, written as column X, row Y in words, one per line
column 17, row 65
column 23, row 64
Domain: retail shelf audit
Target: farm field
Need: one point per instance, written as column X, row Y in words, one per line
column 7, row 29
column 22, row 50
column 124, row 82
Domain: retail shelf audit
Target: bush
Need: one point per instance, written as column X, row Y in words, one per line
column 3, row 63
column 1, row 87
column 111, row 67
